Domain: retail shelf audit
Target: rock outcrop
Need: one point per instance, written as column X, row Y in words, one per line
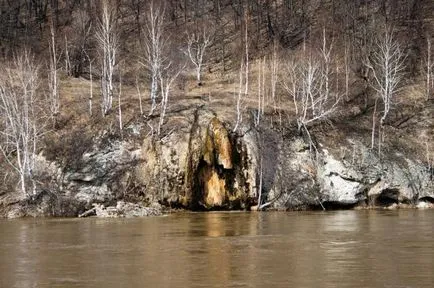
column 321, row 179
column 198, row 163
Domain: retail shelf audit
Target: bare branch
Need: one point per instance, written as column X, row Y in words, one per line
column 197, row 43
column 18, row 140
column 155, row 44
column 387, row 67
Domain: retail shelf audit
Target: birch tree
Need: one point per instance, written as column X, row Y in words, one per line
column 261, row 76
column 239, row 97
column 155, row 43
column 274, row 68
column 119, row 100
column 19, row 136
column 68, row 68
column 108, row 41
column 387, row 66
column 243, row 74
column 326, row 50
column 305, row 82
column 246, row 52
column 167, row 77
column 139, row 95
column 53, row 79
column 429, row 65
column 90, row 61
column 197, row 43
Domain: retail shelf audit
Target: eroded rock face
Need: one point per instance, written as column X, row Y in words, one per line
column 303, row 179
column 216, row 166
column 202, row 165
column 339, row 185
column 220, row 176
column 213, row 188
column 218, row 147
column 196, row 168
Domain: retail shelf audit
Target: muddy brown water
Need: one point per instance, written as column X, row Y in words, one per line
column 307, row 249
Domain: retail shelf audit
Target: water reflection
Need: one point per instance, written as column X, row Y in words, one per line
column 312, row 249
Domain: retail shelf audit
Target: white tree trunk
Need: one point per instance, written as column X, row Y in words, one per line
column 91, row 87
column 167, row 78
column 67, row 59
column 239, row 98
column 197, row 44
column 347, row 71
column 387, row 66
column 429, row 66
column 91, row 82
column 119, row 101
column 52, row 76
column 246, row 43
column 18, row 139
column 259, row 93
column 108, row 41
column 139, row 94
column 155, row 44
column 274, row 74
column 374, row 118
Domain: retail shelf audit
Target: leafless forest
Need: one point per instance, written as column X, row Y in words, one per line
column 95, row 64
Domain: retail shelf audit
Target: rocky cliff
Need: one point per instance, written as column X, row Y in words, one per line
column 198, row 163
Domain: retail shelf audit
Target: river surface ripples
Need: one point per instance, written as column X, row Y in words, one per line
column 276, row 249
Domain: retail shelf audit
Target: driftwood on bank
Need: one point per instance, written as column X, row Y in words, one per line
column 90, row 212
column 122, row 209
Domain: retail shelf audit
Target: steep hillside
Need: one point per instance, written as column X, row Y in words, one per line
column 297, row 106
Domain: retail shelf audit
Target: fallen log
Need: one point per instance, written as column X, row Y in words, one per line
column 90, row 212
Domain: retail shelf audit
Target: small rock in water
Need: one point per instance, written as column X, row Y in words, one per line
column 424, row 205
column 394, row 206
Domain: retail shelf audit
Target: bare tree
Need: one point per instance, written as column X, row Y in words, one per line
column 428, row 69
column 90, row 61
column 261, row 90
column 21, row 130
column 347, row 69
column 246, row 52
column 108, row 40
column 68, row 68
column 197, row 43
column 290, row 81
column 387, row 67
column 155, row 43
column 53, row 81
column 244, row 73
column 326, row 50
column 139, row 94
column 274, row 68
column 79, row 36
column 119, row 100
column 305, row 83
column 167, row 77
column 239, row 98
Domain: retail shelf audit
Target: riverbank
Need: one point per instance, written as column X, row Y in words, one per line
column 199, row 162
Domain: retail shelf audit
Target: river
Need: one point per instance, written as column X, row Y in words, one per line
column 296, row 249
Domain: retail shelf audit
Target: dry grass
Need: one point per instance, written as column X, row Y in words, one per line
column 218, row 93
